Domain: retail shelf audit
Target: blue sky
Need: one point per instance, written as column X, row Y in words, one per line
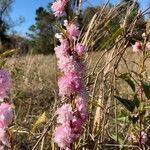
column 26, row 9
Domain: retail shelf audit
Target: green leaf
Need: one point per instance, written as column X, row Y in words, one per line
column 39, row 121
column 110, row 39
column 118, row 138
column 136, row 101
column 126, row 78
column 128, row 104
column 146, row 88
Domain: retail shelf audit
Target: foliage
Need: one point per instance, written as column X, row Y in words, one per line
column 42, row 33
column 5, row 6
column 117, row 78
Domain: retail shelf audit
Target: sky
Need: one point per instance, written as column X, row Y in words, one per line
column 26, row 9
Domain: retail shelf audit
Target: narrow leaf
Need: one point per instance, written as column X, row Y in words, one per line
column 39, row 121
column 118, row 138
column 128, row 104
column 126, row 78
column 136, row 101
column 146, row 88
column 110, row 39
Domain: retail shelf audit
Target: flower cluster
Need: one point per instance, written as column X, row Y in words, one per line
column 6, row 111
column 58, row 7
column 71, row 29
column 137, row 47
column 72, row 115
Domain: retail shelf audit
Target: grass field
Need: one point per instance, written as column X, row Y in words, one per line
column 34, row 91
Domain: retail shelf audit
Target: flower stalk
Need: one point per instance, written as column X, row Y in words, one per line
column 72, row 115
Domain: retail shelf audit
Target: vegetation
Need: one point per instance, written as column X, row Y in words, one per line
column 42, row 33
column 5, row 6
column 40, row 38
column 117, row 78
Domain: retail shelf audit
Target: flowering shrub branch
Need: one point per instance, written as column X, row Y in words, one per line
column 73, row 113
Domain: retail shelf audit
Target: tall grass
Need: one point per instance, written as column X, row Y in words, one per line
column 34, row 89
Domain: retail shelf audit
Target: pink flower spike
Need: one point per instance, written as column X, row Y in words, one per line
column 137, row 47
column 5, row 83
column 148, row 45
column 6, row 115
column 58, row 7
column 137, row 138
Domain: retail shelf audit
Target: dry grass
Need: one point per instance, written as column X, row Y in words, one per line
column 34, row 81
column 35, row 91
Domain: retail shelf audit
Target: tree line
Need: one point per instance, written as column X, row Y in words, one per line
column 40, row 37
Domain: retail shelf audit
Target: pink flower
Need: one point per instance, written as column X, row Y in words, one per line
column 68, row 84
column 4, row 138
column 76, row 125
column 148, row 45
column 6, row 115
column 80, row 49
column 72, row 30
column 62, row 50
column 58, row 7
column 2, row 147
column 67, row 62
column 137, row 47
column 81, row 107
column 69, row 65
column 72, row 116
column 65, row 114
column 63, row 136
column 5, row 83
column 143, row 137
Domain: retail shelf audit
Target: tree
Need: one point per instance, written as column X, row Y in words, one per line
column 124, row 6
column 42, row 32
column 140, row 25
column 5, row 6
